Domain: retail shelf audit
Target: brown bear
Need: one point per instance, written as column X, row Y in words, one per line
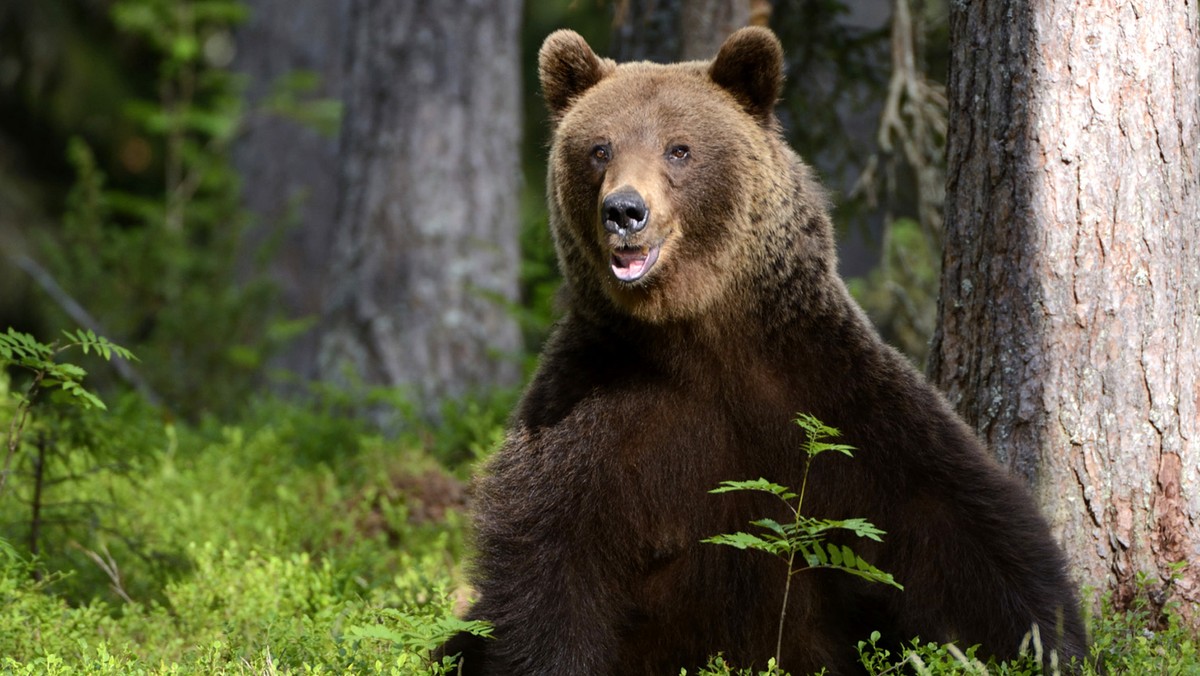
column 704, row 311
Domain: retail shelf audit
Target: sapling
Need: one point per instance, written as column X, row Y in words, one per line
column 25, row 351
column 804, row 537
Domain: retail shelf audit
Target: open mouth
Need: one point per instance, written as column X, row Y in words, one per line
column 630, row 264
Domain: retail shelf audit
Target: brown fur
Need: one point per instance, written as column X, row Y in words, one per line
column 651, row 392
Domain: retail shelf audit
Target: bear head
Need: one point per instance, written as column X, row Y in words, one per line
column 658, row 174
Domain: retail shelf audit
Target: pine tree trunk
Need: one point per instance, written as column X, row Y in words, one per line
column 426, row 251
column 291, row 170
column 1069, row 319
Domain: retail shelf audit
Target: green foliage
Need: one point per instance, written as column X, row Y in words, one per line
column 717, row 666
column 71, row 439
column 24, row 351
column 41, row 361
column 901, row 294
column 804, row 536
column 290, row 98
column 471, row 428
column 1144, row 633
column 418, row 635
column 168, row 266
column 222, row 555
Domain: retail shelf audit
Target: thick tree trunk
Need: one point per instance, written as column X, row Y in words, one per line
column 1070, row 304
column 291, row 170
column 426, row 254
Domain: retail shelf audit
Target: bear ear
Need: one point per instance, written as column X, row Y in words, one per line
column 750, row 66
column 567, row 67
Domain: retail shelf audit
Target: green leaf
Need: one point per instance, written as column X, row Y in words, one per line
column 760, row 484
column 70, row 371
column 213, row 124
column 805, row 536
column 416, row 632
column 219, row 11
column 375, row 631
column 860, row 527
column 845, row 560
column 835, row 555
column 771, row 525
column 741, row 541
column 86, row 399
column 815, row 427
column 817, row 556
column 815, row 448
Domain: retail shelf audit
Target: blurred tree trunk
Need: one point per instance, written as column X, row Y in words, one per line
column 1070, row 303
column 679, row 30
column 425, row 256
column 291, row 169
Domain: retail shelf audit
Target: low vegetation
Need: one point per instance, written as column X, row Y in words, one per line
column 294, row 541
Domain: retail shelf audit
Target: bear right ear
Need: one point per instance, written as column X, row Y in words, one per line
column 567, row 67
column 750, row 66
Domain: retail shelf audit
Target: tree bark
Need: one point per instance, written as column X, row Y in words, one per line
column 1069, row 319
column 426, row 251
column 292, row 169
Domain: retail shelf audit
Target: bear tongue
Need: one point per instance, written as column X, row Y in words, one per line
column 631, row 264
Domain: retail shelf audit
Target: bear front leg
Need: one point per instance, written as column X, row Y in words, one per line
column 548, row 578
column 550, row 616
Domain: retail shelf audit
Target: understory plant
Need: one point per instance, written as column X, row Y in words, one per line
column 802, row 542
column 41, row 360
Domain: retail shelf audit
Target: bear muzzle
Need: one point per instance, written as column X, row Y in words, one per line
column 624, row 214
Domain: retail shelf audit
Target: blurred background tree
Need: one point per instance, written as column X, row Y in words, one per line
column 293, row 160
column 425, row 252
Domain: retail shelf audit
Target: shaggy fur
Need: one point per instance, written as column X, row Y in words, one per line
column 650, row 392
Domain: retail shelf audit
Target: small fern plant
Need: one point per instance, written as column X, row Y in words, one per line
column 26, row 352
column 802, row 542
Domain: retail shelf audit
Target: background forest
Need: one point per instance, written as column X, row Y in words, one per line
column 319, row 230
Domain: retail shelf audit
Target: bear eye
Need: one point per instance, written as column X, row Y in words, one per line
column 601, row 153
column 679, row 152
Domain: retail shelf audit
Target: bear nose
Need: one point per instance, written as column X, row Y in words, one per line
column 624, row 212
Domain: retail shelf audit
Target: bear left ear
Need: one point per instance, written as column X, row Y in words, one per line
column 750, row 66
column 567, row 67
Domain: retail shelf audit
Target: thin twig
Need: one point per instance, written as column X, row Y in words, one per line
column 109, row 565
column 35, row 519
column 16, row 425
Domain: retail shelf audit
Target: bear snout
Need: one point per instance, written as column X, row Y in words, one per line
column 624, row 212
